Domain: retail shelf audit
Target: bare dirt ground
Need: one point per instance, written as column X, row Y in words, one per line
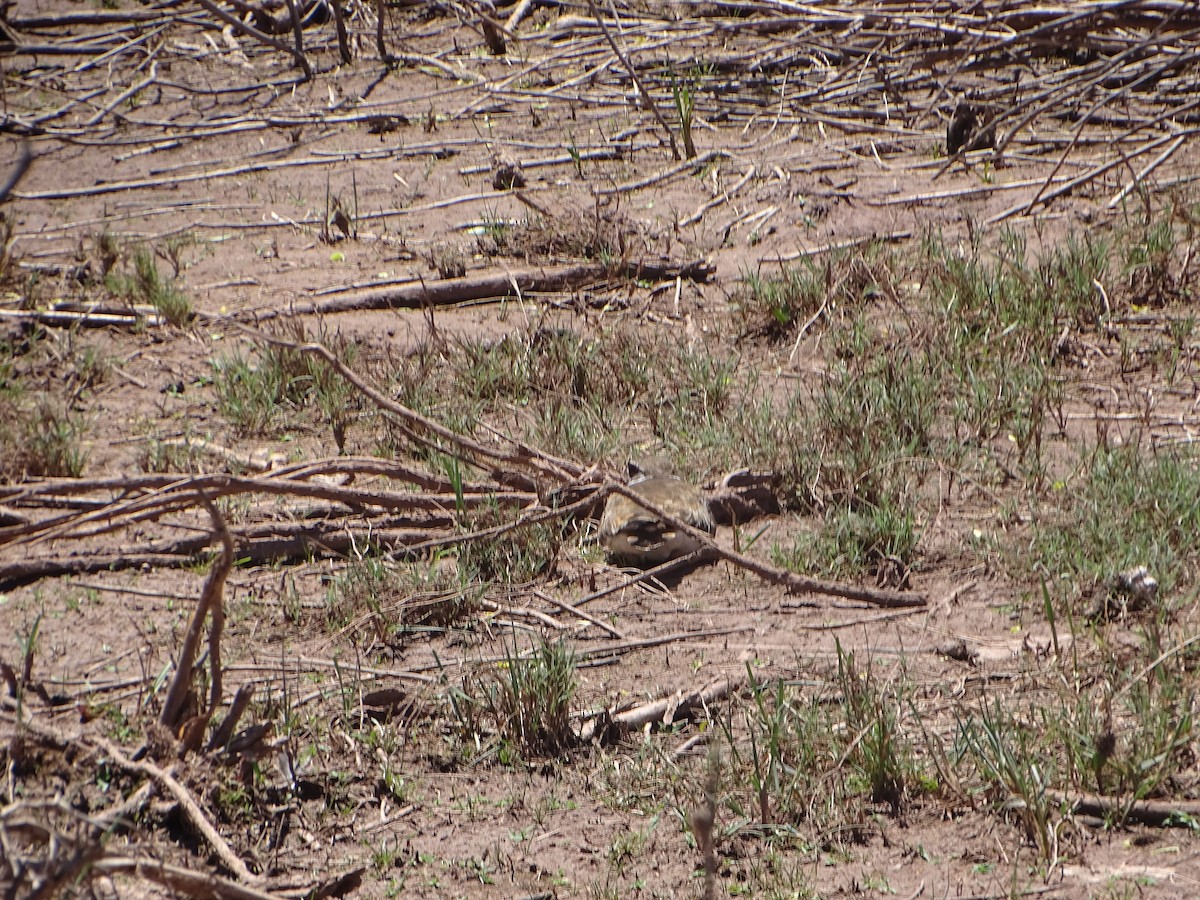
column 380, row 746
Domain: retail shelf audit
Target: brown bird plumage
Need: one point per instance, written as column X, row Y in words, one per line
column 633, row 536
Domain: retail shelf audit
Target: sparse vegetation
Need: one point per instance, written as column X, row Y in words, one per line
column 961, row 357
column 265, row 393
column 38, row 437
column 524, row 709
column 142, row 284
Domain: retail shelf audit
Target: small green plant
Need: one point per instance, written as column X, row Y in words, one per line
column 525, row 707
column 1127, row 510
column 878, row 751
column 448, row 260
column 773, row 305
column 90, row 368
column 249, row 394
column 508, row 556
column 42, row 440
column 1148, row 256
column 685, row 104
column 576, row 157
column 144, row 285
column 253, row 393
column 1010, row 759
column 875, row 421
column 628, row 846
column 29, row 643
column 375, row 598
column 880, row 540
column 165, row 456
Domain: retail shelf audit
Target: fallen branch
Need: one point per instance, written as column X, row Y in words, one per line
column 505, row 464
column 606, row 727
column 690, row 165
column 575, row 611
column 496, row 286
column 723, row 197
column 592, row 653
column 66, row 319
column 212, row 600
column 179, row 494
column 249, row 30
column 173, row 554
column 647, row 100
column 1158, row 813
column 24, row 158
column 1044, row 197
column 284, row 479
column 191, row 809
column 795, row 584
column 194, row 884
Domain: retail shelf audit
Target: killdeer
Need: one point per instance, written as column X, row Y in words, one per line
column 634, row 536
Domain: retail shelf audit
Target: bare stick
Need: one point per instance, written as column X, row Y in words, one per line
column 518, row 13
column 249, row 30
column 339, row 23
column 576, row 611
column 212, row 594
column 298, row 37
column 58, row 318
column 181, row 493
column 18, row 171
column 1045, row 197
column 381, row 46
column 1142, row 175
column 646, row 98
column 723, row 197
column 214, row 587
column 649, row 574
column 224, row 731
column 1163, row 813
column 190, row 808
column 796, row 584
column 285, row 479
column 659, row 710
column 596, row 652
column 495, row 286
column 686, row 166
column 194, row 884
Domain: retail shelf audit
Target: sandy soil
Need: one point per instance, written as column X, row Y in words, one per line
column 229, row 147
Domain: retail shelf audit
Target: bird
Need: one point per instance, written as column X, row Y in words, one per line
column 634, row 536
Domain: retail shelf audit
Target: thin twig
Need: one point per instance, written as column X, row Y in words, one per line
column 250, row 31
column 190, row 807
column 646, row 98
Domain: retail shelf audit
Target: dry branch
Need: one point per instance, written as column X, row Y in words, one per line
column 18, row 172
column 1158, row 813
column 191, row 809
column 249, row 30
column 490, row 287
column 633, row 75
column 285, row 479
column 193, row 884
column 504, row 463
column 172, row 493
column 666, row 710
column 211, row 603
column 173, row 554
column 794, row 583
column 56, row 318
column 223, row 732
